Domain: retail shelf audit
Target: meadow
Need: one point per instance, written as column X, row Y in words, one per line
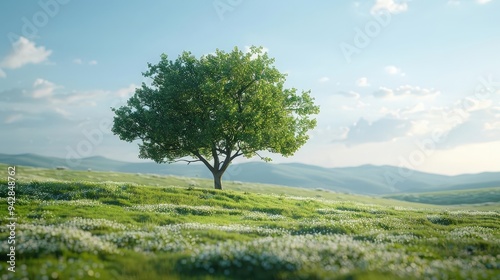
column 104, row 225
column 483, row 196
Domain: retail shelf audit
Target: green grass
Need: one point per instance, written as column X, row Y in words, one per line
column 97, row 225
column 483, row 196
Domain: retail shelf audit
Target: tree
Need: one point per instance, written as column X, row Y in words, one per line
column 215, row 109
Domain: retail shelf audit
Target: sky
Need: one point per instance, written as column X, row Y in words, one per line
column 414, row 84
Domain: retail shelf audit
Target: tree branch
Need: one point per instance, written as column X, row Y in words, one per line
column 226, row 162
column 245, row 87
column 261, row 157
column 188, row 161
column 202, row 159
column 239, row 92
column 221, row 151
column 215, row 155
column 237, row 154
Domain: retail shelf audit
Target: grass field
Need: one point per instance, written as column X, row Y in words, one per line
column 97, row 225
column 475, row 196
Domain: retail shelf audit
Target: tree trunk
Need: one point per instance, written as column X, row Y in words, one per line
column 217, row 180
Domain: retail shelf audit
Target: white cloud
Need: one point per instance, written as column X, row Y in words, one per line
column 323, row 79
column 458, row 2
column 126, row 92
column 362, row 82
column 447, row 117
column 492, row 126
column 384, row 92
column 471, row 104
column 43, row 88
column 81, row 61
column 346, row 108
column 46, row 90
column 37, row 118
column 339, row 134
column 13, row 118
column 419, row 127
column 25, row 52
column 2, row 74
column 464, row 122
column 393, row 70
column 82, row 98
column 425, row 120
column 350, row 94
column 62, row 112
column 405, row 90
column 385, row 129
column 391, row 6
column 473, row 127
column 360, row 104
column 496, row 111
column 420, row 107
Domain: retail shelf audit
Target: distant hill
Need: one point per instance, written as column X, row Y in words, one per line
column 365, row 179
column 455, row 197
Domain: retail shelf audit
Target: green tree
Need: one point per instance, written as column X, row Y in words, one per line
column 214, row 109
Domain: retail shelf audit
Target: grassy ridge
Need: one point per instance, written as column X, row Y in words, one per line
column 477, row 196
column 178, row 228
column 28, row 174
column 366, row 179
column 41, row 174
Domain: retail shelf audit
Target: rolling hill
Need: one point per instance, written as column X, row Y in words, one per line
column 365, row 179
column 455, row 197
column 128, row 226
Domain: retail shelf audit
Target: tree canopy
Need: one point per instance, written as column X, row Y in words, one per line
column 214, row 109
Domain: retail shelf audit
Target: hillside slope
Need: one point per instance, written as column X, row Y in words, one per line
column 365, row 179
column 76, row 229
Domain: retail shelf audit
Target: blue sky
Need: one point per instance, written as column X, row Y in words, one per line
column 413, row 84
